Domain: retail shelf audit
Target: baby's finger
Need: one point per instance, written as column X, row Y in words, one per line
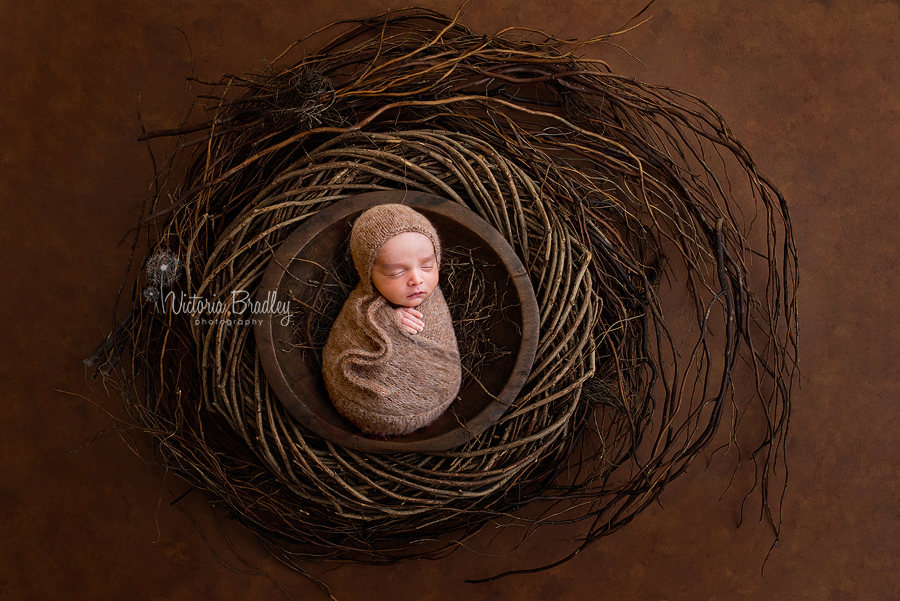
column 412, row 312
column 408, row 322
column 411, row 327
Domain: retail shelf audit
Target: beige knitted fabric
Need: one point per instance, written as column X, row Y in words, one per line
column 386, row 381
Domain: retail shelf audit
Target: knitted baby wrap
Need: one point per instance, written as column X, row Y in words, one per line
column 386, row 381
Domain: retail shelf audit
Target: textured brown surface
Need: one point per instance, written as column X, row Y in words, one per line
column 812, row 89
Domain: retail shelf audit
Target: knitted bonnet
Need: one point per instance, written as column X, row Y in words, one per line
column 378, row 225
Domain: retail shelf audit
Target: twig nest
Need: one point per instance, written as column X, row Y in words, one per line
column 601, row 185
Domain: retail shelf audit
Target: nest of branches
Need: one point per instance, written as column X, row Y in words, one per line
column 662, row 313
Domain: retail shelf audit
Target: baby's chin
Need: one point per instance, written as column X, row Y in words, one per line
column 405, row 301
column 414, row 302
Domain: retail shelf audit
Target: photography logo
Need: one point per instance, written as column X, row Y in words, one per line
column 164, row 269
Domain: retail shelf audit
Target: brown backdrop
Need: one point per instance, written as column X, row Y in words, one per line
column 812, row 89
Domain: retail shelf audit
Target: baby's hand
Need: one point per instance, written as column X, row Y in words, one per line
column 410, row 319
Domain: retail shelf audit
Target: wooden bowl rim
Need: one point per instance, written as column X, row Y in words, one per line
column 312, row 227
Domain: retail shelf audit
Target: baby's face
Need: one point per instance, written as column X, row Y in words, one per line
column 405, row 270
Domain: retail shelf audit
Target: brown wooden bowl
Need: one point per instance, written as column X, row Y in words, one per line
column 321, row 241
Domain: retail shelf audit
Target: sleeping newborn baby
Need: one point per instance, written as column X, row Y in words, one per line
column 391, row 364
